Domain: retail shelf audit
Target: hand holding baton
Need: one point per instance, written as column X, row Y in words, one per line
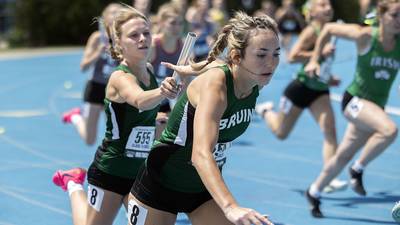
column 185, row 54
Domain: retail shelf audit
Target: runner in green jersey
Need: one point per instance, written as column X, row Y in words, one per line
column 183, row 170
column 306, row 92
column 131, row 105
column 363, row 103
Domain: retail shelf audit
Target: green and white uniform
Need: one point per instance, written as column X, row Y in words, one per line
column 172, row 166
column 313, row 83
column 375, row 72
column 129, row 135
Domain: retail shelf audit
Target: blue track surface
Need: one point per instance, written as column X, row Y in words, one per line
column 262, row 172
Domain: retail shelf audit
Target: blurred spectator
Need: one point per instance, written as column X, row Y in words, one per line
column 290, row 21
column 198, row 18
column 268, row 7
column 182, row 5
column 248, row 5
column 142, row 6
column 218, row 13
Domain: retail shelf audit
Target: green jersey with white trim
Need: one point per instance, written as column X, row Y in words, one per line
column 173, row 166
column 314, row 83
column 376, row 71
column 129, row 135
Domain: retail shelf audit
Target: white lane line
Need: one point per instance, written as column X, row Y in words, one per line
column 37, row 153
column 33, row 193
column 34, row 202
column 23, row 113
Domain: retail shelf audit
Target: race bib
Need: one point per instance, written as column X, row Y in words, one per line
column 95, row 197
column 136, row 213
column 140, row 141
column 285, row 105
column 219, row 153
column 354, row 107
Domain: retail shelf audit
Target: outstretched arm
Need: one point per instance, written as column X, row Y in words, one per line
column 124, row 87
column 361, row 35
column 211, row 103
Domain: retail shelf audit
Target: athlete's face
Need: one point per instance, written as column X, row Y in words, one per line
column 172, row 25
column 391, row 18
column 322, row 10
column 135, row 39
column 261, row 56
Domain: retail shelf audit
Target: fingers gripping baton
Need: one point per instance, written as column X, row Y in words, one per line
column 185, row 53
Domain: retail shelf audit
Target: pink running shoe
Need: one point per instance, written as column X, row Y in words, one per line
column 66, row 118
column 61, row 178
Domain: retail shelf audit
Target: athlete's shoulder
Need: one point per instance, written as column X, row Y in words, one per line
column 216, row 74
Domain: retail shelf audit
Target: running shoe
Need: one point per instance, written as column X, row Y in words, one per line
column 356, row 182
column 336, row 185
column 67, row 116
column 61, row 177
column 314, row 205
column 396, row 212
column 262, row 108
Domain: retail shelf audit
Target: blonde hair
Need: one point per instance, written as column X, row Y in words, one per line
column 114, row 31
column 383, row 6
column 236, row 34
column 307, row 8
column 167, row 10
column 164, row 12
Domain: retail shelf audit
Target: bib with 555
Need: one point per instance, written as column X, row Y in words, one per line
column 140, row 141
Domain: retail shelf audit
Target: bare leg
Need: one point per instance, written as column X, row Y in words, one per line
column 153, row 216
column 209, row 213
column 78, row 207
column 370, row 127
column 87, row 125
column 385, row 132
column 352, row 141
column 108, row 210
column 282, row 123
column 322, row 111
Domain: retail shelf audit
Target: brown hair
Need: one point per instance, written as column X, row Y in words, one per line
column 236, row 34
column 114, row 31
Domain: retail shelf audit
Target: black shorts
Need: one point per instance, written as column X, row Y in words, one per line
column 109, row 182
column 153, row 194
column 94, row 92
column 346, row 99
column 302, row 96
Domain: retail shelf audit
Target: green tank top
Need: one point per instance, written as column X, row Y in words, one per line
column 174, row 166
column 312, row 82
column 375, row 72
column 129, row 135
